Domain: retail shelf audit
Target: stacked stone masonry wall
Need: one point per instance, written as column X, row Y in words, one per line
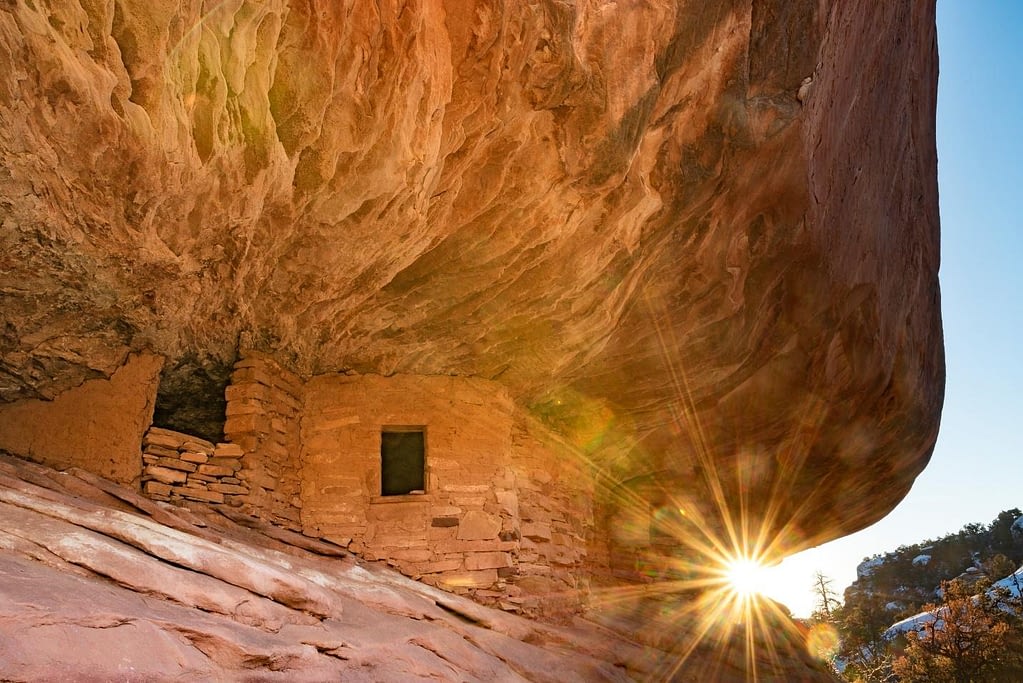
column 177, row 466
column 264, row 403
column 505, row 516
column 555, row 496
column 501, row 518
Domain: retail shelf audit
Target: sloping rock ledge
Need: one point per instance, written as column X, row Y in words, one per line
column 98, row 583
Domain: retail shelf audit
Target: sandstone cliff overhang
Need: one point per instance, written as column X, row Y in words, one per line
column 700, row 240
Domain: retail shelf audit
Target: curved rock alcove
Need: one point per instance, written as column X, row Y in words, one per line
column 696, row 241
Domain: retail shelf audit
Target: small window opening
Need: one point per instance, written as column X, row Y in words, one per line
column 402, row 461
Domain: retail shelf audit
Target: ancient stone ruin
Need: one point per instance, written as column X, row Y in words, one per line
column 175, row 465
column 532, row 301
column 494, row 513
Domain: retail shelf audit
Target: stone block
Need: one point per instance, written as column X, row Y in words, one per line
column 476, row 525
column 246, row 406
column 538, row 585
column 277, row 449
column 234, row 464
column 247, row 442
column 535, row 512
column 266, row 372
column 536, row 531
column 465, row 488
column 198, row 458
column 435, row 533
column 163, row 431
column 273, row 470
column 443, row 547
column 286, row 403
column 164, row 474
column 290, row 514
column 488, row 560
column 508, row 503
column 216, row 470
column 197, row 445
column 411, row 554
column 199, row 494
column 563, row 539
column 470, row 501
column 253, row 371
column 154, row 438
column 240, row 424
column 399, row 511
column 383, row 539
column 176, row 464
column 541, row 476
column 160, row 451
column 533, row 569
column 449, row 565
column 154, row 487
column 326, row 425
column 560, row 555
column 259, row 478
column 233, row 489
column 237, row 392
column 228, row 450
column 444, row 522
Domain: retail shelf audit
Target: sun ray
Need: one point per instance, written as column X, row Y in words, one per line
column 730, row 614
column 690, row 602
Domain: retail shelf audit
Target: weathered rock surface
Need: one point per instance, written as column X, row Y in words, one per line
column 99, row 425
column 701, row 238
column 91, row 590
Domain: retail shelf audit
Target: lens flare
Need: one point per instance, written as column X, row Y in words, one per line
column 693, row 539
column 746, row 577
column 822, row 642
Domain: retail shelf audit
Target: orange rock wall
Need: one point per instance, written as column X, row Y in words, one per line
column 97, row 426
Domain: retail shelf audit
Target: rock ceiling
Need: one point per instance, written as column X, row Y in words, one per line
column 691, row 235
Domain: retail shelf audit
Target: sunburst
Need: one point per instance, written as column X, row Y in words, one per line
column 711, row 608
column 747, row 577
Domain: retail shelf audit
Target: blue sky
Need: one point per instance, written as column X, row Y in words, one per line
column 977, row 467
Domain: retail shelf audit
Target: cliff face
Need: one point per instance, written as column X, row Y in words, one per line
column 701, row 239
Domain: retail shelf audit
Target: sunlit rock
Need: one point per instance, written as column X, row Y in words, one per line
column 699, row 240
